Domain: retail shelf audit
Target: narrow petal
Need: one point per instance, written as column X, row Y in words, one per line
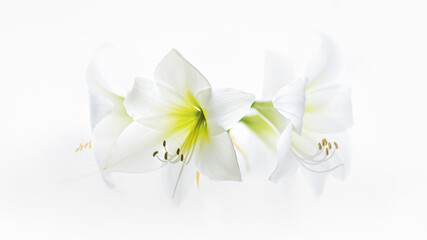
column 102, row 100
column 286, row 162
column 133, row 152
column 224, row 107
column 329, row 109
column 100, row 107
column 325, row 64
column 316, row 180
column 278, row 72
column 217, row 159
column 175, row 71
column 290, row 101
column 118, row 67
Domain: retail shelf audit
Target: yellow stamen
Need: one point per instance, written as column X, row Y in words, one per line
column 336, row 145
column 320, row 146
column 197, row 178
column 329, row 145
column 326, row 151
column 155, row 153
column 81, row 146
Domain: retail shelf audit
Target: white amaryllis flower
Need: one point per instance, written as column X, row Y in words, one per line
column 306, row 119
column 108, row 114
column 180, row 121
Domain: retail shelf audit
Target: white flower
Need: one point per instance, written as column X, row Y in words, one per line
column 180, row 121
column 108, row 114
column 306, row 120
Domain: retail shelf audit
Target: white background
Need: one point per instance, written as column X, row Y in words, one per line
column 49, row 192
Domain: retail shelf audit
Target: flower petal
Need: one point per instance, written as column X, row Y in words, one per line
column 290, row 102
column 224, row 107
column 151, row 104
column 325, row 64
column 142, row 100
column 329, row 109
column 117, row 67
column 102, row 100
column 175, row 71
column 286, row 162
column 217, row 159
column 133, row 152
column 278, row 72
column 105, row 135
column 100, row 107
column 316, row 180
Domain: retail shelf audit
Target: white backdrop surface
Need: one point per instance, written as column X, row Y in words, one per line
column 47, row 191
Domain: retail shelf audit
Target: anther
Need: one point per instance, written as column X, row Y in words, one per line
column 324, row 142
column 166, row 155
column 329, row 145
column 164, row 143
column 155, row 153
column 336, row 145
column 177, row 151
column 182, row 157
column 326, row 151
column 320, row 146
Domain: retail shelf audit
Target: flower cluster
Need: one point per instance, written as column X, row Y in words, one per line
column 180, row 122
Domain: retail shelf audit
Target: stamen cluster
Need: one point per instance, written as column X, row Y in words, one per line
column 324, row 153
column 174, row 158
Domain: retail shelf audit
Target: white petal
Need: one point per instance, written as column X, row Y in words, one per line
column 278, row 72
column 316, row 180
column 290, row 102
column 102, row 100
column 325, row 64
column 150, row 103
column 100, row 107
column 106, row 177
column 217, row 159
column 117, row 67
column 329, row 110
column 105, row 135
column 175, row 71
column 143, row 99
column 343, row 155
column 224, row 107
column 286, row 162
column 134, row 150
